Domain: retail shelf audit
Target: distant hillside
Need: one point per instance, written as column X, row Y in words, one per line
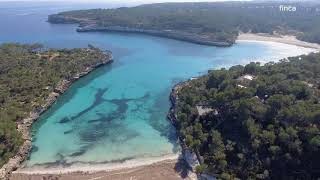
column 205, row 22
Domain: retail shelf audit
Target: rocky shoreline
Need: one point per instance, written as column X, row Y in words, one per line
column 188, row 155
column 86, row 25
column 182, row 36
column 24, row 126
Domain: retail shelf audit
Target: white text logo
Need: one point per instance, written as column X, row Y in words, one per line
column 284, row 8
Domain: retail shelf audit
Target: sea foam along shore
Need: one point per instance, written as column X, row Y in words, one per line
column 24, row 126
column 100, row 167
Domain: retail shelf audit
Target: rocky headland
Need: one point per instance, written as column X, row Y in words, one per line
column 189, row 156
column 24, row 126
column 87, row 25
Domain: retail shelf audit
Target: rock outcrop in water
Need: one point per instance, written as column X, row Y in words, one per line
column 24, row 126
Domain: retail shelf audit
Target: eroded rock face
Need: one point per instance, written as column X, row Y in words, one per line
column 188, row 155
column 14, row 163
column 191, row 159
column 172, row 34
column 24, row 126
column 62, row 86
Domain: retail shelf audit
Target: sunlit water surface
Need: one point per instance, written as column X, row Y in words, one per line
column 118, row 112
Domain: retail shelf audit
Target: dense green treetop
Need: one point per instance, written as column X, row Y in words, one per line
column 266, row 127
column 28, row 74
column 222, row 21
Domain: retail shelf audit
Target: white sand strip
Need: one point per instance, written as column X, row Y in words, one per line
column 292, row 40
column 92, row 168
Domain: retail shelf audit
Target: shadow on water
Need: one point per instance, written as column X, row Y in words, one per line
column 70, row 93
column 97, row 101
column 66, row 97
column 160, row 124
column 107, row 126
column 62, row 162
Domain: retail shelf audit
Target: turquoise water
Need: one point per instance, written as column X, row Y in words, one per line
column 118, row 112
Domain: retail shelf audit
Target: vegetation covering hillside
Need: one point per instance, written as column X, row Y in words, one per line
column 255, row 122
column 217, row 21
column 28, row 74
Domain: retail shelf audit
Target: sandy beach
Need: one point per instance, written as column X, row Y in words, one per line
column 170, row 167
column 291, row 40
column 96, row 167
column 164, row 170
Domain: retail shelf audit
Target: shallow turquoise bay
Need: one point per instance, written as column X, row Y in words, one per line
column 118, row 112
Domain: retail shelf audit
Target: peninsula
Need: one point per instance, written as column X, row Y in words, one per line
column 253, row 121
column 31, row 79
column 217, row 24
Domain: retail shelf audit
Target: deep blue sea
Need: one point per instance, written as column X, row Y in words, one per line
column 118, row 112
